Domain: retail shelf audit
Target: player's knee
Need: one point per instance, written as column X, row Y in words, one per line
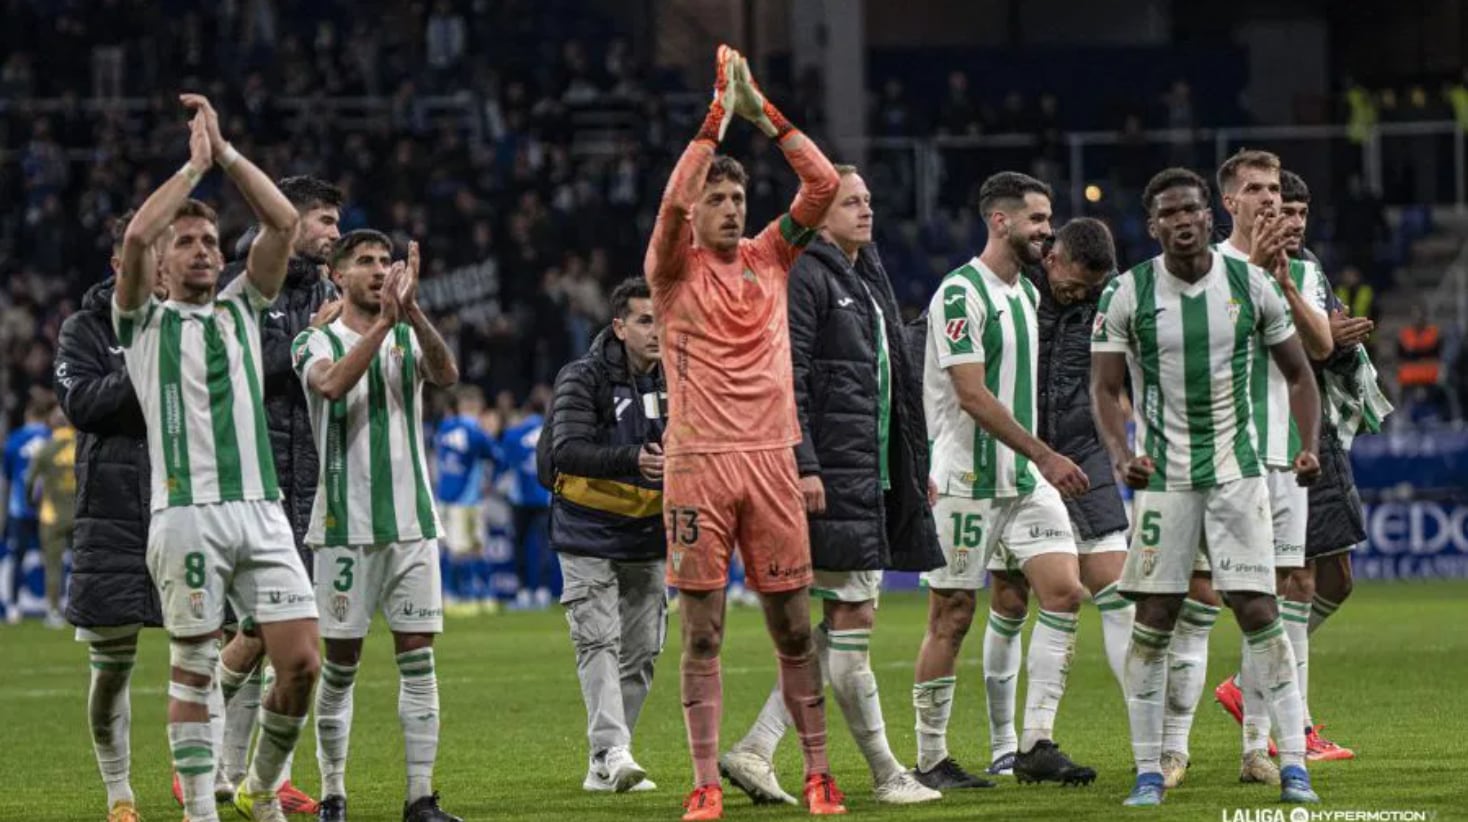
column 794, row 639
column 703, row 644
column 1064, row 601
column 193, row 662
column 1301, row 584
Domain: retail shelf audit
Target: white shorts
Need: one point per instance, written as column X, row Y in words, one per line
column 1002, row 534
column 847, row 586
column 463, row 529
column 1228, row 525
column 399, row 578
column 1289, row 508
column 1106, row 543
column 107, row 633
column 199, row 554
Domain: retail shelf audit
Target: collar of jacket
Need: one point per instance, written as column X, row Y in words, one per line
column 99, row 297
column 831, row 256
column 613, row 356
column 300, row 271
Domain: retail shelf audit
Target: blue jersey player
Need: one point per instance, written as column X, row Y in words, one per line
column 460, row 450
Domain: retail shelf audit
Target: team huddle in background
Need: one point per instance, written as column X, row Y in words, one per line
column 754, row 394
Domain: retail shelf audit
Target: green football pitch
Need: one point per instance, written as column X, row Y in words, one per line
column 1387, row 675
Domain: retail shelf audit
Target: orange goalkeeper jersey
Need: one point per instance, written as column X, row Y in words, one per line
column 723, row 327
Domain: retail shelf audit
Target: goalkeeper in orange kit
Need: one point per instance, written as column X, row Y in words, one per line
column 730, row 476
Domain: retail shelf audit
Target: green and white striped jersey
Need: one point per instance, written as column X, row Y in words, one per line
column 196, row 371
column 1191, row 351
column 373, row 487
column 975, row 317
column 1279, row 437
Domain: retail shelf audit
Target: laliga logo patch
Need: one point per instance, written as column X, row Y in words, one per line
column 955, row 329
column 1098, row 328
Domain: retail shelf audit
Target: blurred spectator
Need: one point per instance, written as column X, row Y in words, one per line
column 1419, row 362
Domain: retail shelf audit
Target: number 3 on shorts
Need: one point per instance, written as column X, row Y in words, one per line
column 344, row 578
column 684, row 525
column 194, row 575
column 1151, row 530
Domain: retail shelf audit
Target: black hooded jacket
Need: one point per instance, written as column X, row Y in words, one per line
column 110, row 584
column 286, row 411
column 1065, row 418
column 833, row 352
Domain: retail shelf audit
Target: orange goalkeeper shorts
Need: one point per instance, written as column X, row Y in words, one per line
column 749, row 499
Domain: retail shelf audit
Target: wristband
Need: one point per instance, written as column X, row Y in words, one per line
column 229, row 157
column 782, row 126
column 193, row 175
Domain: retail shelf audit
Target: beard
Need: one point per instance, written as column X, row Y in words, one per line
column 1020, row 247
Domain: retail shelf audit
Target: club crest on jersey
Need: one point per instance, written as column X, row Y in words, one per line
column 1233, row 310
column 397, row 353
column 955, row 329
column 750, row 276
column 340, row 603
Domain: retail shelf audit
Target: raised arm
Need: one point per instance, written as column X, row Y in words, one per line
column 333, row 378
column 271, row 251
column 818, row 178
column 135, row 276
column 439, row 366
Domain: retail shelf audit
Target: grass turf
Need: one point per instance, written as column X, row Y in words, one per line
column 1386, row 674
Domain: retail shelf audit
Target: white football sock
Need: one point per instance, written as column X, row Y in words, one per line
column 1117, row 613
column 1274, row 669
column 1146, row 694
column 1296, row 618
column 1187, row 670
column 109, row 712
column 1052, row 643
column 932, row 701
column 848, row 664
column 1003, row 652
column 418, row 712
column 334, row 725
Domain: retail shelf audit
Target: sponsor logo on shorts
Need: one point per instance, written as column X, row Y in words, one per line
column 1227, row 564
column 340, row 604
column 774, row 571
column 1036, row 532
column 281, row 597
column 1288, row 548
column 412, row 612
column 196, row 604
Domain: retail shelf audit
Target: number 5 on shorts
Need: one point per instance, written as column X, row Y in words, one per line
column 1151, row 529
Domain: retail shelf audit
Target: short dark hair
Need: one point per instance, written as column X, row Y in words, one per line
column 119, row 228
column 1245, row 158
column 306, row 193
column 1175, row 177
column 632, row 288
column 1088, row 242
column 1292, row 188
column 1007, row 187
column 725, row 167
column 197, row 208
column 349, row 241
